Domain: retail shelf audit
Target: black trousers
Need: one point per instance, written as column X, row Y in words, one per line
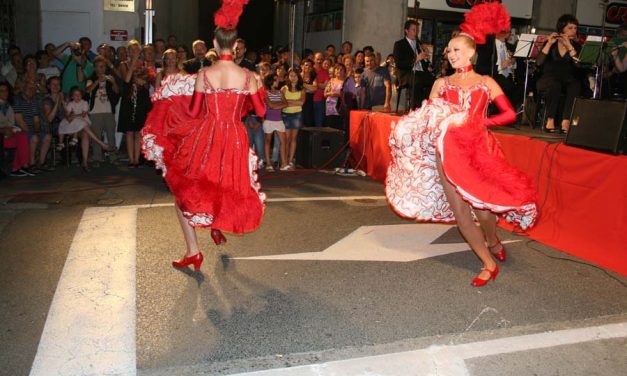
column 418, row 88
column 551, row 88
column 512, row 91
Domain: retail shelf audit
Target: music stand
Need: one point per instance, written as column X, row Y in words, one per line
column 524, row 50
column 592, row 54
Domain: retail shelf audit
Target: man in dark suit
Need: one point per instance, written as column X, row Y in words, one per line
column 414, row 74
column 199, row 61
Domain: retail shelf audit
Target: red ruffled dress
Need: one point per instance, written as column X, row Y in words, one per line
column 206, row 161
column 452, row 127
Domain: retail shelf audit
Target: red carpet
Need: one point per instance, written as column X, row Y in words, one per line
column 582, row 194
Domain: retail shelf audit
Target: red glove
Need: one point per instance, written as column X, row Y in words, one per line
column 197, row 104
column 505, row 117
column 259, row 103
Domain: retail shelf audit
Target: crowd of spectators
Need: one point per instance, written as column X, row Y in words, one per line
column 70, row 96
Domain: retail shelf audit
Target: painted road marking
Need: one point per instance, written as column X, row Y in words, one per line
column 90, row 328
column 448, row 360
column 386, row 243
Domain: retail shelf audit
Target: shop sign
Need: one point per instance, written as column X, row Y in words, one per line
column 616, row 13
column 119, row 35
column 120, row 5
column 463, row 4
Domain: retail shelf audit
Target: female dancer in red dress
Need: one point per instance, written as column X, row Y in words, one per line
column 444, row 160
column 195, row 136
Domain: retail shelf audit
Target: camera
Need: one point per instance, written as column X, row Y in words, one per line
column 77, row 52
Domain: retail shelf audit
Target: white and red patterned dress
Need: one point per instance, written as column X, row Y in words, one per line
column 450, row 127
column 206, row 161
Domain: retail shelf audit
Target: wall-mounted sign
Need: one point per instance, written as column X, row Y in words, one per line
column 119, row 35
column 616, row 13
column 516, row 8
column 120, row 5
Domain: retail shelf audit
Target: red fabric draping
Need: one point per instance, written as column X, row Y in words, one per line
column 582, row 194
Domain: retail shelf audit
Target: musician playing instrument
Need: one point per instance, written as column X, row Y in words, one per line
column 561, row 73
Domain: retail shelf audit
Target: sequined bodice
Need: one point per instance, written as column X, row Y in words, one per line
column 226, row 104
column 474, row 99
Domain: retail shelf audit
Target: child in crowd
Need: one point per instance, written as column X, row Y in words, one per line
column 76, row 117
column 275, row 102
column 77, row 122
column 358, row 89
column 294, row 95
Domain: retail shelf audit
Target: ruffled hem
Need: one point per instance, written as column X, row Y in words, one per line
column 413, row 185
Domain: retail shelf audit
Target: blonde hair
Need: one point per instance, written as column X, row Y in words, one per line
column 470, row 43
column 169, row 51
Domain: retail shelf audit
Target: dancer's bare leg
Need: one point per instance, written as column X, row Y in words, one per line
column 487, row 220
column 466, row 225
column 188, row 233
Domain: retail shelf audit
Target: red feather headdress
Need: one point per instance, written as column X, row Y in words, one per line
column 228, row 15
column 484, row 19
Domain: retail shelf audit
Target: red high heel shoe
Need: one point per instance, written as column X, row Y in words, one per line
column 478, row 282
column 500, row 255
column 195, row 260
column 217, row 236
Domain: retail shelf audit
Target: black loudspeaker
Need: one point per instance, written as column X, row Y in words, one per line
column 598, row 125
column 317, row 146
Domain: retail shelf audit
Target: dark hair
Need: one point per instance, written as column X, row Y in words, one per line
column 159, row 40
column 10, row 89
column 48, row 45
column 348, row 42
column 29, row 57
column 184, row 47
column 341, row 66
column 39, row 54
column 84, row 39
column 225, row 38
column 368, row 48
column 330, row 45
column 268, row 81
column 240, row 40
column 408, row 24
column 564, row 20
column 50, row 79
column 299, row 82
column 12, row 48
column 359, row 70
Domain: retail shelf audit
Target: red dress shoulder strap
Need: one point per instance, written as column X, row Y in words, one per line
column 206, row 81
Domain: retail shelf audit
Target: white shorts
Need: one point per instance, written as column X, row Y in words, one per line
column 269, row 126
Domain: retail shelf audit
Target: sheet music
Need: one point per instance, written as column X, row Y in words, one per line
column 525, row 42
column 593, row 38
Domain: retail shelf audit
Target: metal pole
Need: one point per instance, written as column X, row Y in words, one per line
column 292, row 30
column 148, row 26
column 598, row 79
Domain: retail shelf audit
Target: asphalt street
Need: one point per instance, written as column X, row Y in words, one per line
column 324, row 281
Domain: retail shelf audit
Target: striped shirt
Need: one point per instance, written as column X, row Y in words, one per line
column 28, row 108
column 274, row 97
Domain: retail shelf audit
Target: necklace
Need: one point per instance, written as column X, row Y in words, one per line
column 465, row 69
column 227, row 57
